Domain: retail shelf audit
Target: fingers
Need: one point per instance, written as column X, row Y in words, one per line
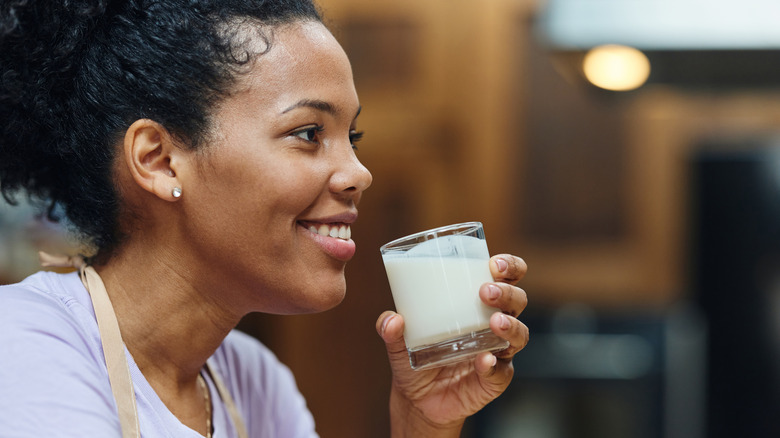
column 498, row 372
column 512, row 330
column 507, row 268
column 484, row 364
column 509, row 299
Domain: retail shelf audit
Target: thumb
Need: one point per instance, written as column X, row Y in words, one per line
column 390, row 327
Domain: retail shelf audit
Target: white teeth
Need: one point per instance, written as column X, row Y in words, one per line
column 343, row 232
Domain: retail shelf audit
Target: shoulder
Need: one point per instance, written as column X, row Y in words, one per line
column 248, row 363
column 51, row 360
column 264, row 388
column 46, row 315
column 45, row 299
column 238, row 342
column 45, row 284
column 39, row 284
column 48, row 303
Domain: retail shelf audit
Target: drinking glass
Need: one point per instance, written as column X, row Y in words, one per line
column 435, row 276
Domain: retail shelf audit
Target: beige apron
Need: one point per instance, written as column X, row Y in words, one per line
column 114, row 350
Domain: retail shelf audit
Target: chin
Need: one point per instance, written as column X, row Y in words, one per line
column 319, row 300
column 330, row 300
column 324, row 306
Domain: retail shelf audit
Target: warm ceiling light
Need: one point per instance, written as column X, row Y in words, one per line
column 617, row 68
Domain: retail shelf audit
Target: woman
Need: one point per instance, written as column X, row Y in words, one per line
column 205, row 151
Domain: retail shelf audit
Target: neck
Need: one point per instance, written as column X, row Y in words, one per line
column 169, row 325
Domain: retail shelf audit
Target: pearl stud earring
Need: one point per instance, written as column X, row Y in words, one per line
column 176, row 192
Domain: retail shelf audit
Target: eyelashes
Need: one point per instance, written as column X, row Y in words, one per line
column 354, row 137
column 312, row 134
column 308, row 133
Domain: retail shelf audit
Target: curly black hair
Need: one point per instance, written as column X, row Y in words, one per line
column 74, row 74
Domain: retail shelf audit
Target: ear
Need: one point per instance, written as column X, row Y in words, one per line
column 152, row 158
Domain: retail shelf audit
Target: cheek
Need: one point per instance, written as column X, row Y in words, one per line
column 296, row 188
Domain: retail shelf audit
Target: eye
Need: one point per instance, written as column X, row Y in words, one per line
column 308, row 133
column 354, row 137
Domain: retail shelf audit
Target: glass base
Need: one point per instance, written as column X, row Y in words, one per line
column 455, row 350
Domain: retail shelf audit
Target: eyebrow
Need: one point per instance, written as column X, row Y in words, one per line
column 319, row 105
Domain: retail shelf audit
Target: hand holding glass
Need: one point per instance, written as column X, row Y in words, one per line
column 435, row 277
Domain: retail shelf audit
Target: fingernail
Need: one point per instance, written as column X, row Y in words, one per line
column 385, row 322
column 494, row 292
column 502, row 265
column 505, row 323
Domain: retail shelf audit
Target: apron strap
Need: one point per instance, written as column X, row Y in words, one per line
column 114, row 350
column 224, row 394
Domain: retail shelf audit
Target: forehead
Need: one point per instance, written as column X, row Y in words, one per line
column 304, row 62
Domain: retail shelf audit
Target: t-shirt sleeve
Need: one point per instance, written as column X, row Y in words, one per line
column 267, row 394
column 51, row 383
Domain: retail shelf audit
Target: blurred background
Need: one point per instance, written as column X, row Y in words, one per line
column 627, row 150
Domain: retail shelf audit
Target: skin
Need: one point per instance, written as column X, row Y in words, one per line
column 279, row 161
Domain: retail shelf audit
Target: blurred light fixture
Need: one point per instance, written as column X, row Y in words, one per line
column 616, row 67
column 698, row 44
column 662, row 24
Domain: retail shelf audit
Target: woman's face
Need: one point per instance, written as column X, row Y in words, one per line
column 271, row 205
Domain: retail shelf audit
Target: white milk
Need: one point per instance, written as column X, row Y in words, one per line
column 438, row 297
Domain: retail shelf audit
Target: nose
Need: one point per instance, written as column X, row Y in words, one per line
column 351, row 177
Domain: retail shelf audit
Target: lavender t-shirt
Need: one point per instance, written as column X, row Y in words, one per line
column 53, row 378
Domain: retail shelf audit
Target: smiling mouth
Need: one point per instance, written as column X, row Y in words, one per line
column 336, row 230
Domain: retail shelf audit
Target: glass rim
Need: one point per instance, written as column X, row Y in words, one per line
column 405, row 242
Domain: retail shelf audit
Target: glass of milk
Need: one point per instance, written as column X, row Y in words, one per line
column 435, row 277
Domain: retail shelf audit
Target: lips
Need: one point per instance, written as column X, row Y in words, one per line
column 334, row 238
